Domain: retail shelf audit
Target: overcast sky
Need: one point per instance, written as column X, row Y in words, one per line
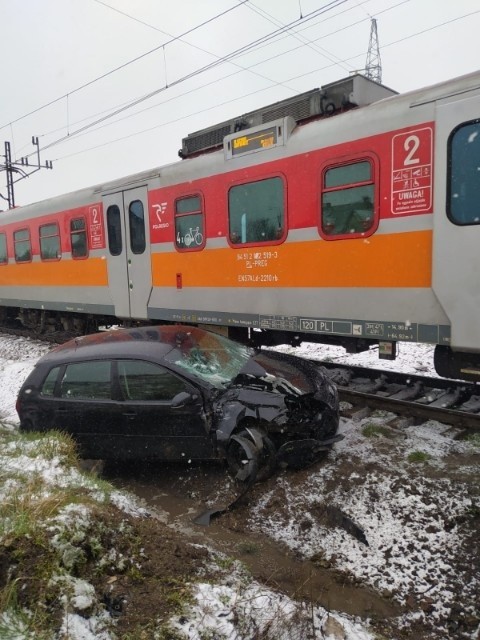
column 50, row 48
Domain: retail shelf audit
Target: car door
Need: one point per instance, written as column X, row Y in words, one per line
column 156, row 422
column 83, row 406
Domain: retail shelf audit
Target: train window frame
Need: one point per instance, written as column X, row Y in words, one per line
column 115, row 247
column 198, row 240
column 3, row 249
column 16, row 242
column 137, row 249
column 372, row 182
column 41, row 238
column 78, row 232
column 280, row 233
column 452, row 215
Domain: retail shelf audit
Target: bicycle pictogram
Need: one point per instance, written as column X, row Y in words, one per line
column 192, row 237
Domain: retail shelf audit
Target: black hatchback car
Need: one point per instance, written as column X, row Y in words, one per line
column 181, row 393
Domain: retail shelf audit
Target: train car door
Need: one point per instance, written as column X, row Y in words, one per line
column 456, row 254
column 128, row 251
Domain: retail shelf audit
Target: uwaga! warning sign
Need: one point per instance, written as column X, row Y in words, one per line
column 412, row 171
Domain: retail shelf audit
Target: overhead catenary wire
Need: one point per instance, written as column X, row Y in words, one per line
column 358, row 55
column 267, row 16
column 173, row 38
column 198, row 71
column 457, row 18
column 122, row 66
column 229, row 75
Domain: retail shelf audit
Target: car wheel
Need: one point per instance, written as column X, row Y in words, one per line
column 267, row 461
column 251, row 455
column 242, row 459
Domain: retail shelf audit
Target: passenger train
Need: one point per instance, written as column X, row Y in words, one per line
column 348, row 215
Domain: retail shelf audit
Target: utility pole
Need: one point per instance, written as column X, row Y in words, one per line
column 22, row 169
column 373, row 65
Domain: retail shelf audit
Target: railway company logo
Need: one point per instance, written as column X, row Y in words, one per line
column 159, row 211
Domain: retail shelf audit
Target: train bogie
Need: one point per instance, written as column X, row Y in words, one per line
column 356, row 229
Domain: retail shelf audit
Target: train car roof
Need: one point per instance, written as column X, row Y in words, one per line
column 415, row 98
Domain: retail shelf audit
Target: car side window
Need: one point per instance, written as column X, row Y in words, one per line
column 146, row 381
column 48, row 386
column 89, row 380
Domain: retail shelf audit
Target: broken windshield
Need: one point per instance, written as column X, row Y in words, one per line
column 209, row 356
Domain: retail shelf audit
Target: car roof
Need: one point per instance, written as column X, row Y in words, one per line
column 151, row 343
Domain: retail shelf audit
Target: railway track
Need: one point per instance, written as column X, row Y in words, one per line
column 416, row 398
column 50, row 337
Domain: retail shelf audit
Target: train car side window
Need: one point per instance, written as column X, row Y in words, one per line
column 78, row 237
column 348, row 206
column 23, row 246
column 50, row 242
column 256, row 212
column 114, row 228
column 463, row 180
column 3, row 249
column 136, row 219
column 189, row 223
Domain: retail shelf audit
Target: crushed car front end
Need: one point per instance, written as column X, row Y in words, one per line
column 280, row 410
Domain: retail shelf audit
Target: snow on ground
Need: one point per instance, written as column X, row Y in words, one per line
column 17, row 358
column 409, row 523
column 411, row 358
column 240, row 609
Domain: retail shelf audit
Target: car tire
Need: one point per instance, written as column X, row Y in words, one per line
column 252, row 442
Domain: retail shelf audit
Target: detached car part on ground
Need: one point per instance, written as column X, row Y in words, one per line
column 182, row 393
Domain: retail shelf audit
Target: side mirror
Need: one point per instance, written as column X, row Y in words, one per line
column 183, row 398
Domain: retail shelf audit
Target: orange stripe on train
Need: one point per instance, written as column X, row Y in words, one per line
column 398, row 260
column 64, row 273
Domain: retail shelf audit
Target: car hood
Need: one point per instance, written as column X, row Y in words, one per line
column 283, row 373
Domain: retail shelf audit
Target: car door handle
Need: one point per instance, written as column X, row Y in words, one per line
column 130, row 414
